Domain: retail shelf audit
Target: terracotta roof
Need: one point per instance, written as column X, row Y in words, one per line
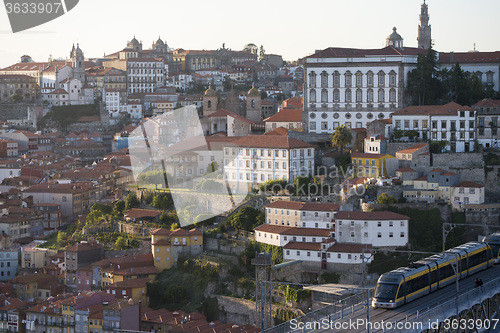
column 449, row 174
column 451, row 108
column 468, row 184
column 370, row 216
column 292, row 231
column 286, row 115
column 349, row 248
column 30, row 278
column 136, row 271
column 302, row 246
column 437, row 170
column 278, row 141
column 488, row 102
column 412, row 149
column 339, row 52
column 131, row 283
column 470, row 57
column 278, row 131
column 136, row 213
column 377, row 137
column 423, row 178
column 406, row 169
column 225, row 113
column 305, row 206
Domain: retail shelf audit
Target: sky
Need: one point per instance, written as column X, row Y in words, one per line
column 290, row 28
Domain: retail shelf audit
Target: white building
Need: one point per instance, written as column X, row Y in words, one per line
column 290, row 119
column 301, row 214
column 450, row 122
column 333, row 253
column 255, row 159
column 134, row 110
column 466, row 193
column 376, row 228
column 115, row 100
column 280, row 235
column 355, row 86
column 145, row 74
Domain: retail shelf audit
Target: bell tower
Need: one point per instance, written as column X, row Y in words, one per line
column 254, row 111
column 424, row 29
column 210, row 101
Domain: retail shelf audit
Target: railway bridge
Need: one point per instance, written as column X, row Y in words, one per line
column 450, row 309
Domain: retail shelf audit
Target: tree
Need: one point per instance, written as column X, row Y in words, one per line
column 301, row 185
column 212, row 167
column 341, row 138
column 62, row 238
column 174, row 226
column 121, row 243
column 247, row 218
column 16, row 98
column 411, row 134
column 119, row 207
column 274, row 185
column 131, row 201
column 386, row 199
column 423, row 86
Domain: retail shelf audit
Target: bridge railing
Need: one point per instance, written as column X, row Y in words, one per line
column 338, row 310
column 431, row 318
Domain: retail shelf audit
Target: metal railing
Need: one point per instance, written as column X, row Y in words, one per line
column 448, row 309
column 339, row 310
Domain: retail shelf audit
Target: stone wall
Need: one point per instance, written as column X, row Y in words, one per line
column 145, row 248
column 492, row 182
column 237, row 310
column 469, row 166
column 393, row 147
column 13, row 111
column 233, row 247
column 133, row 229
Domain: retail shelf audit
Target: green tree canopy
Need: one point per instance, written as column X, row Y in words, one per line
column 386, row 199
column 131, row 201
column 341, row 137
column 121, row 243
column 247, row 218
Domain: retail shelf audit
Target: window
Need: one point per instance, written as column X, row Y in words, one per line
column 312, row 96
column 339, row 256
column 348, row 96
column 348, row 79
column 379, row 224
column 381, row 79
column 381, row 95
column 402, row 234
column 379, row 235
column 391, row 235
column 365, row 235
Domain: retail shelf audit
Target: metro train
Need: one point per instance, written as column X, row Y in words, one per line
column 405, row 284
column 493, row 241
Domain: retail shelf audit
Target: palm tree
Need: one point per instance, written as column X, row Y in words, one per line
column 341, row 138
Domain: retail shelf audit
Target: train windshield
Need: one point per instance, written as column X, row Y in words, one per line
column 385, row 290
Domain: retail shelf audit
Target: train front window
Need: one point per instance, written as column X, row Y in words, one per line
column 385, row 290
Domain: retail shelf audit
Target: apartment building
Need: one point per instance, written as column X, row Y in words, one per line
column 255, row 159
column 379, row 229
column 451, row 122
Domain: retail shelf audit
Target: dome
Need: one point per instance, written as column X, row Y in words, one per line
column 210, row 92
column 394, row 35
column 253, row 91
column 394, row 39
column 134, row 41
column 159, row 41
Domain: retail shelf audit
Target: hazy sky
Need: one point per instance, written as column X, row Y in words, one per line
column 290, row 28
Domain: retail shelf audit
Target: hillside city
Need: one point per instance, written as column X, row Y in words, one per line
column 337, row 165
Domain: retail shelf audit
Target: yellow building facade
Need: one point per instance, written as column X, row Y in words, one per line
column 166, row 245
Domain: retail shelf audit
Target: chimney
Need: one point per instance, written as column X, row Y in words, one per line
column 452, row 56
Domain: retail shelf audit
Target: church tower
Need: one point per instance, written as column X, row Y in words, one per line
column 424, row 29
column 254, row 111
column 394, row 39
column 78, row 63
column 210, row 101
column 232, row 102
